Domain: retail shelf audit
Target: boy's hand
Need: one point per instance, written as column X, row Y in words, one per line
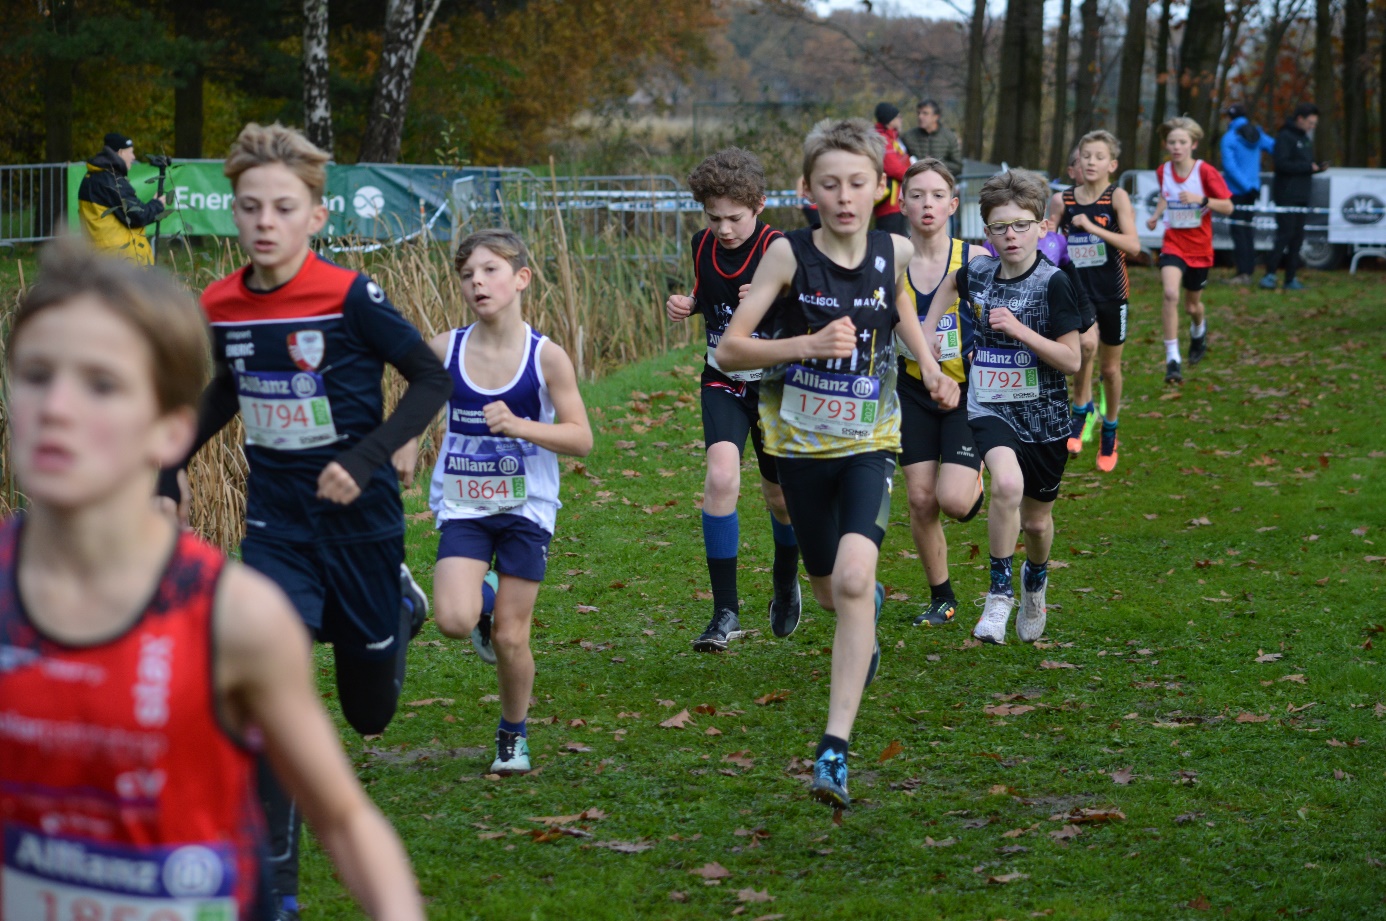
column 1003, row 321
column 404, row 461
column 836, row 340
column 1190, row 198
column 500, row 419
column 678, row 307
column 336, row 485
column 937, row 345
column 742, row 292
column 943, row 389
column 1081, row 222
column 1150, row 224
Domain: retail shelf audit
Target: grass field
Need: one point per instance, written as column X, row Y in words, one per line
column 1208, row 708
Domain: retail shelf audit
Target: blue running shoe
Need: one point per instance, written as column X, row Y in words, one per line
column 1294, row 284
column 1268, row 283
column 876, row 653
column 830, row 780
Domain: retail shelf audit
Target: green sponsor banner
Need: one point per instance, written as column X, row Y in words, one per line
column 377, row 201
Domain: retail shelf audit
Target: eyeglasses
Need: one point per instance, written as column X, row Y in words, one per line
column 999, row 228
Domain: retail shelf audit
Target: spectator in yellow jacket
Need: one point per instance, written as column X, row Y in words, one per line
column 113, row 216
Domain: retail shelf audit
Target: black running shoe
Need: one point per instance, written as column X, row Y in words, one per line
column 876, row 651
column 940, row 611
column 417, row 600
column 785, row 610
column 724, row 627
column 1198, row 347
column 1173, row 374
column 830, row 780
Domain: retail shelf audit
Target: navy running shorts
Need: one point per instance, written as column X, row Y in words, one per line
column 1041, row 465
column 512, row 544
column 928, row 433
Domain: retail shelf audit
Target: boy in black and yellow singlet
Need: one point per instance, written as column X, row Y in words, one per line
column 300, row 347
column 1025, row 339
column 1100, row 224
column 730, row 185
column 937, row 454
column 828, row 404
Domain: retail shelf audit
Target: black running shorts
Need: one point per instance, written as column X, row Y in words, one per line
column 1194, row 279
column 1111, row 323
column 731, row 411
column 928, row 433
column 830, row 497
column 1041, row 465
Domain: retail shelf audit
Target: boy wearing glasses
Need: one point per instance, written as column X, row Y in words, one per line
column 1025, row 339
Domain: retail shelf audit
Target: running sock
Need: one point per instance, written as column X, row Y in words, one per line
column 1033, row 575
column 516, row 728
column 721, row 533
column 831, row 744
column 942, row 592
column 1083, row 410
column 1198, row 330
column 488, row 598
column 1001, row 576
column 786, row 567
column 1171, row 350
column 1109, row 425
column 288, row 903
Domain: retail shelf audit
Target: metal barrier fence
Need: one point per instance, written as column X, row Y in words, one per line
column 33, row 201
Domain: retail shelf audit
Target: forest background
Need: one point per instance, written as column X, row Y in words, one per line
column 624, row 86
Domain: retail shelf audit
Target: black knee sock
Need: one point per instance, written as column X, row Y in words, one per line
column 942, row 592
column 285, row 823
column 786, row 570
column 831, row 743
column 723, row 573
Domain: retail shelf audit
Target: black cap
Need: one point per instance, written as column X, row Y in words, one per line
column 885, row 113
column 117, row 141
column 1236, row 110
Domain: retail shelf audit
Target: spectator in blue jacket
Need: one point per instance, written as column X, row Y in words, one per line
column 1242, row 145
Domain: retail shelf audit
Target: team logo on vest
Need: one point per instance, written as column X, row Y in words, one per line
column 1363, row 208
column 876, row 301
column 509, row 465
column 307, row 348
column 304, row 386
column 880, row 263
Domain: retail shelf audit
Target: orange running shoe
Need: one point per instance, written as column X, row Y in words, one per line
column 1107, row 451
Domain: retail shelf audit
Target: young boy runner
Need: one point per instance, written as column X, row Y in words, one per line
column 300, row 347
column 140, row 670
column 828, row 404
column 1189, row 191
column 514, row 408
column 1026, row 332
column 730, row 185
column 941, row 465
column 1100, row 224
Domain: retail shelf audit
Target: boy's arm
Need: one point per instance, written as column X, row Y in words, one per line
column 217, row 407
column 1062, row 353
column 1160, row 205
column 264, row 678
column 739, row 352
column 941, row 387
column 406, row 458
column 1216, row 192
column 570, row 433
column 1221, row 205
column 1055, row 212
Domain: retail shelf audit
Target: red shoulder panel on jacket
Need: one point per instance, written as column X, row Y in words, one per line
column 317, row 290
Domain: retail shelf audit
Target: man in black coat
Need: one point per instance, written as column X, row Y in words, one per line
column 112, row 214
column 1294, row 179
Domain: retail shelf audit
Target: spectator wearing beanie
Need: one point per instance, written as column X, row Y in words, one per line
column 113, row 216
column 897, row 161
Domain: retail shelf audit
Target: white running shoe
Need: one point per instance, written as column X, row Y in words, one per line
column 1029, row 623
column 992, row 627
column 512, row 754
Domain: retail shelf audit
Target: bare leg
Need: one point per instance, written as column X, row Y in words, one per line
column 722, row 486
column 1037, row 519
column 457, row 595
column 510, row 636
column 1082, row 381
column 854, row 597
column 1003, row 513
column 1111, row 378
column 1170, row 279
column 925, row 527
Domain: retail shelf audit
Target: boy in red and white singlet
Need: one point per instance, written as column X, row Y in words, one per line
column 140, row 671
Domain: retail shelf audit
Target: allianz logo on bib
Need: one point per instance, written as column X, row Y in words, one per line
column 264, row 385
column 461, row 463
column 994, row 358
column 809, row 379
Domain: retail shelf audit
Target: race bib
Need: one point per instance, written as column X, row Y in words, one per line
column 1184, row 217
column 745, row 376
column 1004, row 375
column 489, row 477
column 845, row 405
column 285, row 410
column 1086, row 250
column 949, row 337
column 53, row 878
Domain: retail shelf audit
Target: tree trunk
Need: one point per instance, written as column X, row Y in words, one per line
column 405, row 26
column 1086, row 88
column 317, row 100
column 1198, row 60
column 1381, row 102
column 1021, row 94
column 1058, row 142
column 1274, row 38
column 1132, row 67
column 1230, row 52
column 1157, row 114
column 59, row 83
column 973, row 118
column 1355, row 65
column 1325, row 82
column 189, row 77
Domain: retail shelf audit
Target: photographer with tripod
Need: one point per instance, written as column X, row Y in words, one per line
column 113, row 216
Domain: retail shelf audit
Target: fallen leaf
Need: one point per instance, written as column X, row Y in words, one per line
column 1007, row 709
column 1334, row 743
column 1065, row 833
column 946, row 842
column 1199, row 522
column 740, row 759
column 624, row 847
column 1200, row 903
column 678, row 720
column 1048, row 664
column 773, row 697
column 1269, row 657
column 711, row 871
column 677, row 896
column 712, row 731
column 1014, row 832
column 576, row 747
column 1297, row 679
column 490, row 835
column 587, row 815
column 890, row 751
column 445, row 701
column 587, row 609
column 1122, row 777
column 1251, row 718
column 1007, row 878
column 750, row 895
